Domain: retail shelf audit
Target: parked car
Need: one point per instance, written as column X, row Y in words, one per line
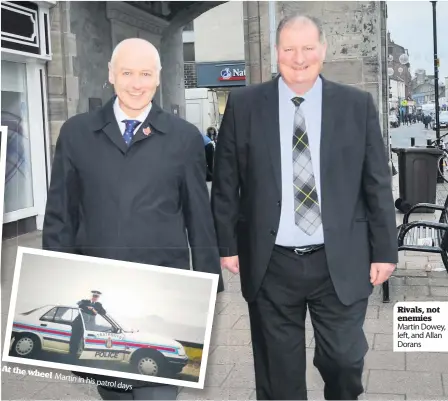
column 443, row 120
column 48, row 328
column 393, row 120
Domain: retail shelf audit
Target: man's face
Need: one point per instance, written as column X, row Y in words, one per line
column 135, row 77
column 300, row 53
column 95, row 298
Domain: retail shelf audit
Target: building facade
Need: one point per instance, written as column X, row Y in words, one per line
column 219, row 62
column 397, row 88
column 423, row 88
column 397, row 57
column 26, row 47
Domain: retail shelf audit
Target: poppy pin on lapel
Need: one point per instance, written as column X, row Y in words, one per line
column 146, row 131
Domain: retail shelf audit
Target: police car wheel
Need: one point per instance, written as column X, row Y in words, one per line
column 149, row 364
column 25, row 345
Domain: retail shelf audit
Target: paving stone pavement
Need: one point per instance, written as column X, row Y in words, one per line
column 387, row 375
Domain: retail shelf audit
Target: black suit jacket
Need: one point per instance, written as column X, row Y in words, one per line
column 134, row 204
column 357, row 205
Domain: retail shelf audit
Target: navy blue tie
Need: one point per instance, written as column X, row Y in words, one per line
column 129, row 131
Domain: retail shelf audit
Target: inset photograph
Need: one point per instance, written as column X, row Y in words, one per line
column 110, row 317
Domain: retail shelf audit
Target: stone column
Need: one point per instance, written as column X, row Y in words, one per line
column 172, row 79
column 257, row 41
column 63, row 88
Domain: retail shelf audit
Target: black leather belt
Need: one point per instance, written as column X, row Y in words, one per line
column 303, row 250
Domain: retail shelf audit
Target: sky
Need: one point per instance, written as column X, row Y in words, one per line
column 410, row 25
column 126, row 292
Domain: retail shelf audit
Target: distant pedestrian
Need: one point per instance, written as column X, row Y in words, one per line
column 212, row 134
column 209, row 157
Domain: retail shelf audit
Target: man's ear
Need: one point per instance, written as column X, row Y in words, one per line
column 324, row 51
column 111, row 75
column 158, row 76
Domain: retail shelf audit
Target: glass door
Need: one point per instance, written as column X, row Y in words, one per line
column 19, row 197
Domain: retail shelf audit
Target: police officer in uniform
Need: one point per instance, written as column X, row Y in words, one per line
column 89, row 308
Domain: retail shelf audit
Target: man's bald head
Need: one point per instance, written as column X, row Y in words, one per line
column 135, row 46
column 134, row 71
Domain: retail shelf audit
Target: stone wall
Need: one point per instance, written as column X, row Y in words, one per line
column 91, row 28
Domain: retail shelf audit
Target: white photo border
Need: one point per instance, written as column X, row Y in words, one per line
column 3, row 155
column 106, row 372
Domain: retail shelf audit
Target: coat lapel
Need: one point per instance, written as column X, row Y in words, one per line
column 104, row 120
column 156, row 122
column 271, row 128
column 329, row 114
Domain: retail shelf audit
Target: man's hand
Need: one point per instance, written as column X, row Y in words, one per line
column 380, row 272
column 231, row 263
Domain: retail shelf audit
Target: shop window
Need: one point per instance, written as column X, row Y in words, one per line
column 223, row 95
column 14, row 115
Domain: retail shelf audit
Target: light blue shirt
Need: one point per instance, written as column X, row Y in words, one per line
column 288, row 233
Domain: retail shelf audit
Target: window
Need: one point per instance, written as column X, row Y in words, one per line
column 64, row 315
column 223, row 95
column 49, row 316
column 14, row 109
column 97, row 323
column 188, row 52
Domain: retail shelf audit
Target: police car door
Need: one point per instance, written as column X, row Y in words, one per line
column 100, row 341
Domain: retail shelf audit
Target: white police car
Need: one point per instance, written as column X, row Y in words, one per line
column 48, row 328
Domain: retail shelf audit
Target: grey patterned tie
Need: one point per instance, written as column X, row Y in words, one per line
column 306, row 203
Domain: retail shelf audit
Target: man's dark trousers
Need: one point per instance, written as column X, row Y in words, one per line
column 277, row 315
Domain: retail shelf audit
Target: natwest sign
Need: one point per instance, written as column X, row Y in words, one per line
column 232, row 74
column 221, row 74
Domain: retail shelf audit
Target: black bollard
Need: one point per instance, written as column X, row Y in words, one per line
column 412, row 142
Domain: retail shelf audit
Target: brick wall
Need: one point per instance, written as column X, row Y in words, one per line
column 190, row 75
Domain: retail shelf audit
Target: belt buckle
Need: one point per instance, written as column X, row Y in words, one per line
column 302, row 251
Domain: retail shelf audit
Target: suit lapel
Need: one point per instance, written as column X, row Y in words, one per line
column 329, row 114
column 270, row 126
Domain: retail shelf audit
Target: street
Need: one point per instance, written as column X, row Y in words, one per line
column 401, row 136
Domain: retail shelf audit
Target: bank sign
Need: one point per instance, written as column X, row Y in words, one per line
column 220, row 75
column 232, row 74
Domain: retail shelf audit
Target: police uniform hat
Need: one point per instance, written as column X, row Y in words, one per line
column 96, row 292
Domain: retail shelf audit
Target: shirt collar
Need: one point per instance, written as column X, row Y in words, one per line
column 312, row 94
column 120, row 115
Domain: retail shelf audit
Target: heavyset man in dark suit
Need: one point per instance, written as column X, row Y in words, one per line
column 303, row 209
column 128, row 183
